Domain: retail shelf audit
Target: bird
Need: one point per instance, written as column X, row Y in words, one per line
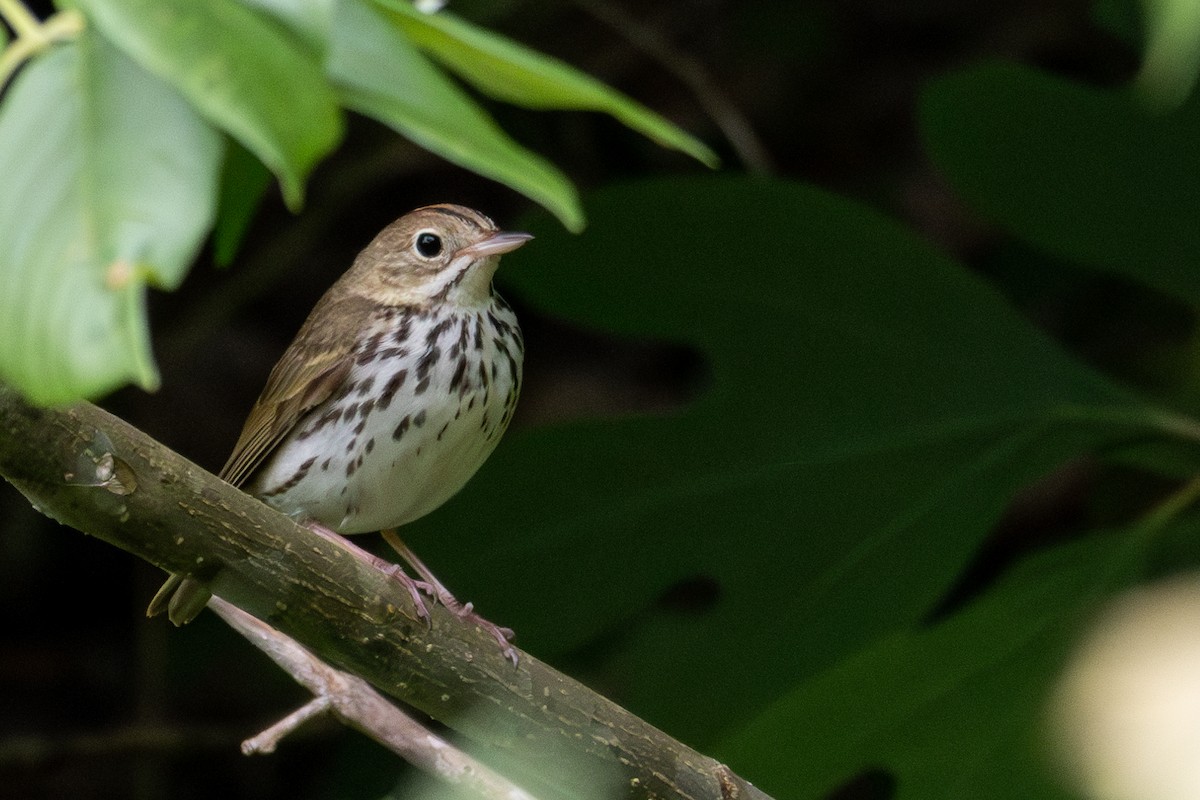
column 394, row 392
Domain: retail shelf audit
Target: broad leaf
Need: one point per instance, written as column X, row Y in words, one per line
column 1089, row 175
column 109, row 183
column 239, row 69
column 516, row 74
column 379, row 73
column 873, row 406
column 953, row 711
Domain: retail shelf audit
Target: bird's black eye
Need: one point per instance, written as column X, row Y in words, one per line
column 429, row 244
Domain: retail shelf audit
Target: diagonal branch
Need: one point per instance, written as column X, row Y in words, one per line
column 96, row 473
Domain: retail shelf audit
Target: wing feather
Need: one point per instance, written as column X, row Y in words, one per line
column 314, row 366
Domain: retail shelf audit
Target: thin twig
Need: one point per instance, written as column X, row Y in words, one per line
column 266, row 742
column 354, row 702
column 724, row 112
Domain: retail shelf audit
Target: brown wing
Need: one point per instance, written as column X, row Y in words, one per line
column 307, row 374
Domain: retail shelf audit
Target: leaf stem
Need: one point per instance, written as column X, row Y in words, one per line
column 33, row 36
column 24, row 24
column 1154, row 418
column 1170, row 508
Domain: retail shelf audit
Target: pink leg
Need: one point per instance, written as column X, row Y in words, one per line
column 442, row 595
column 414, row 587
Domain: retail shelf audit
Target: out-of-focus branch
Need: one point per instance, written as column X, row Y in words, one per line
column 356, row 703
column 96, row 473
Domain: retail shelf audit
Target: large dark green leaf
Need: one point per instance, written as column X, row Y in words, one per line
column 239, row 69
column 381, row 74
column 953, row 711
column 1090, row 175
column 109, row 183
column 873, row 406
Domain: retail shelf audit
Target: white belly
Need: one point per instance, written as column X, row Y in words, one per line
column 386, row 465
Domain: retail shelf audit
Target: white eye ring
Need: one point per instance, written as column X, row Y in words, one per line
column 427, row 244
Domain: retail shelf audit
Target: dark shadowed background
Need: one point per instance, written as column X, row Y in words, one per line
column 96, row 701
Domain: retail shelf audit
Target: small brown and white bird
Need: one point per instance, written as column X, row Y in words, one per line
column 394, row 392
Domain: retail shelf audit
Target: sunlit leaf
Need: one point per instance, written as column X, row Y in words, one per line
column 310, row 20
column 109, row 184
column 239, row 69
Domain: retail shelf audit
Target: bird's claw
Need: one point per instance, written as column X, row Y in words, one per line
column 440, row 594
column 466, row 612
column 414, row 588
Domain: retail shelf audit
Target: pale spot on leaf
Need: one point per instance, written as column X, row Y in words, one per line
column 118, row 275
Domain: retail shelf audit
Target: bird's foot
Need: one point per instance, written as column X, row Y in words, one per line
column 413, row 586
column 440, row 594
column 466, row 611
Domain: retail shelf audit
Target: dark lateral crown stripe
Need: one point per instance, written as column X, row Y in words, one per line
column 452, row 211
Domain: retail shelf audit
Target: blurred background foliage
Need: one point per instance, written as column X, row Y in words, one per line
column 823, row 461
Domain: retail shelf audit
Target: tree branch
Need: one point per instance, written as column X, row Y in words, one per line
column 92, row 471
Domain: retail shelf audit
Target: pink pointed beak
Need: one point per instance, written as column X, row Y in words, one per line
column 496, row 244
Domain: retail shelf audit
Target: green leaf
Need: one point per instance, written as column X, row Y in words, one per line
column 516, row 74
column 239, row 70
column 872, row 408
column 953, row 711
column 109, row 183
column 309, row 20
column 1088, row 175
column 244, row 181
column 379, row 73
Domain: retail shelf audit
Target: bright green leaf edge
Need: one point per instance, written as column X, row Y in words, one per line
column 516, row 74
